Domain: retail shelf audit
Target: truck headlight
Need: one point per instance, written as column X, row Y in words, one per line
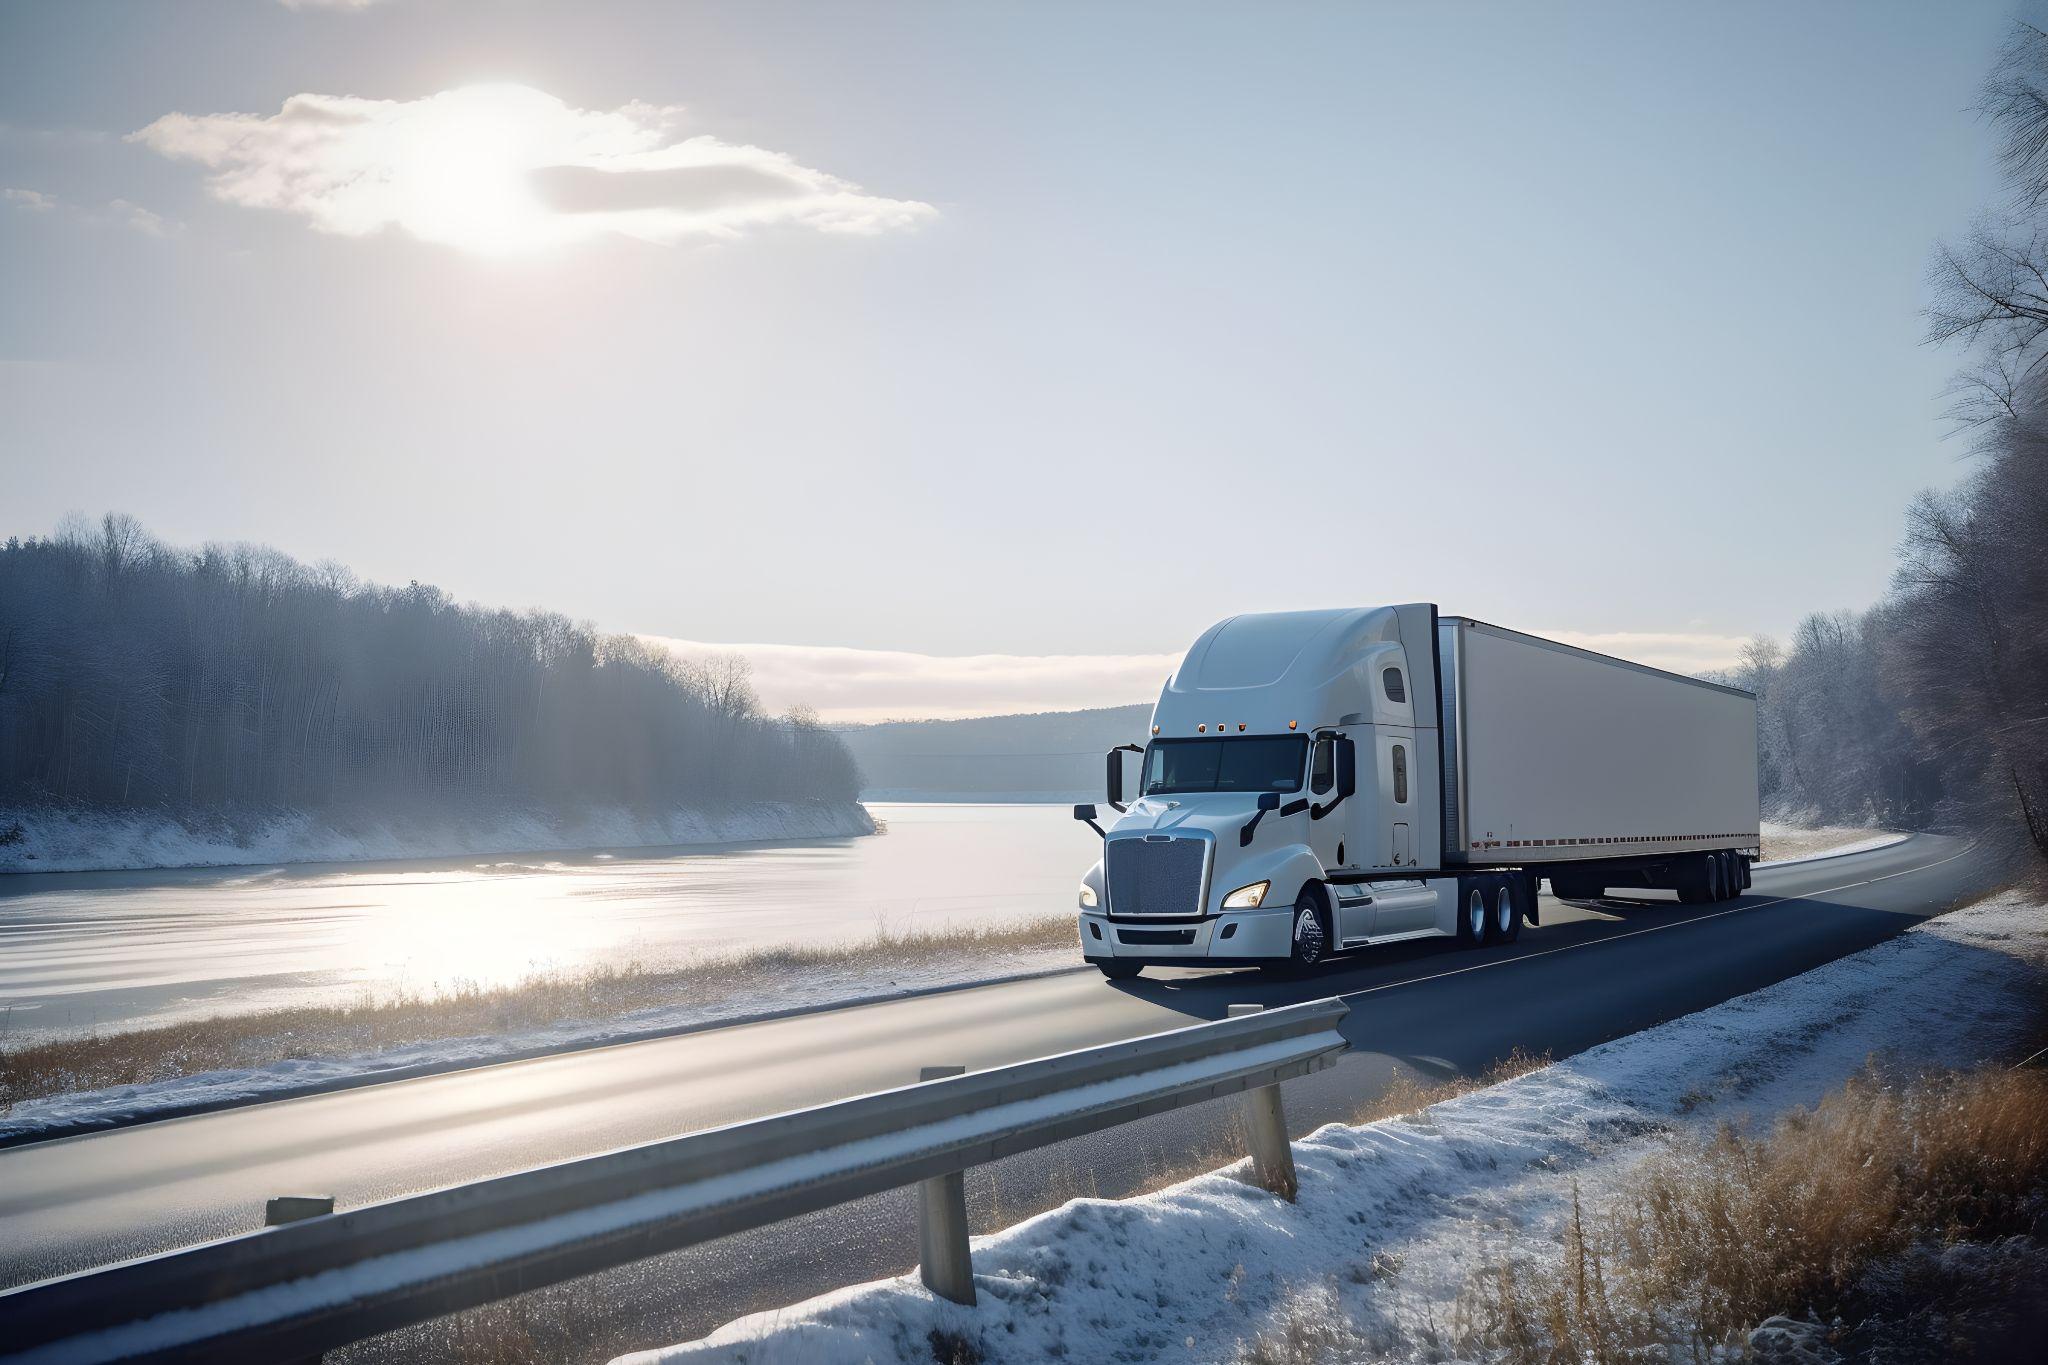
column 1087, row 896
column 1247, row 897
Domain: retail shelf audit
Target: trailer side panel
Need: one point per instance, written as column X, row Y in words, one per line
column 1563, row 755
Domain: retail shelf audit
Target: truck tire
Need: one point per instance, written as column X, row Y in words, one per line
column 1311, row 930
column 1472, row 911
column 1503, row 912
column 1695, row 879
column 1118, row 970
column 1731, row 876
column 1527, row 891
column 1744, row 879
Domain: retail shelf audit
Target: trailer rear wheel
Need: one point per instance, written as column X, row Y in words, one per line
column 1693, row 878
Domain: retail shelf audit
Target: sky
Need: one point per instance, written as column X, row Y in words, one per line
column 958, row 358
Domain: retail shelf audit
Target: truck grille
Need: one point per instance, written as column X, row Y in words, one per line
column 1151, row 875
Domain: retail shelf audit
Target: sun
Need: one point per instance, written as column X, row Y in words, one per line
column 462, row 170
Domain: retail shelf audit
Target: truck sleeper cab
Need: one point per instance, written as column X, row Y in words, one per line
column 1317, row 782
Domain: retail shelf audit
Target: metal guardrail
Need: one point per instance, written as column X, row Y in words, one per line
column 309, row 1286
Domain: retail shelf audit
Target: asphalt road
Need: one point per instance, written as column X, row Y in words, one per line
column 1589, row 974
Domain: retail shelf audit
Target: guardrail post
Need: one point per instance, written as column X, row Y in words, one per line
column 943, row 1261
column 1265, row 1132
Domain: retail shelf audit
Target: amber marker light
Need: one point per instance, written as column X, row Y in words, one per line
column 1240, row 727
column 1290, row 725
column 1201, row 729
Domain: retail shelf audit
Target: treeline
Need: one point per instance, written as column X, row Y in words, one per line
column 1932, row 708
column 134, row 675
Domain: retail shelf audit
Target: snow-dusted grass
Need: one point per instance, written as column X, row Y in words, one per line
column 1785, row 843
column 1399, row 1221
column 60, row 1084
column 56, row 840
column 1708, row 1239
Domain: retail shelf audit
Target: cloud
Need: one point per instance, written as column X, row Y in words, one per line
column 850, row 685
column 118, row 212
column 500, row 168
column 856, row 685
column 139, row 218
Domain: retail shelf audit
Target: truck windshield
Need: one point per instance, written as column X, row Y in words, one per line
column 1263, row 763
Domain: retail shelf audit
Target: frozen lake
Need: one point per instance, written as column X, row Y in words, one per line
column 98, row 949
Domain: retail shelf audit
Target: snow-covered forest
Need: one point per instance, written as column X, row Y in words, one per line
column 1932, row 707
column 135, row 676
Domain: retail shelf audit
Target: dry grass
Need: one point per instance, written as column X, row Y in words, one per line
column 1407, row 1095
column 465, row 1009
column 1786, row 841
column 1708, row 1239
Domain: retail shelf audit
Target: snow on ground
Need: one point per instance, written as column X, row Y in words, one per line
column 1396, row 1216
column 785, row 990
column 1785, row 842
column 86, row 841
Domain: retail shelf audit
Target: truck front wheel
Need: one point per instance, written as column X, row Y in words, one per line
column 1119, row 971
column 1311, row 934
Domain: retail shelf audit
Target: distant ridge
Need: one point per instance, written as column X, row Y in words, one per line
column 1044, row 756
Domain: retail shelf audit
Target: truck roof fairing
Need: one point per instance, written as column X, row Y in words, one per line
column 1263, row 669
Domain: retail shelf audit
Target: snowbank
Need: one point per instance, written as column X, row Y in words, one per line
column 1795, row 843
column 1395, row 1216
column 85, row 841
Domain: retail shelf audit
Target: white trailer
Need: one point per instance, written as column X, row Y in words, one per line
column 1317, row 782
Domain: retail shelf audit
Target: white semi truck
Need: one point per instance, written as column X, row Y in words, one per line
column 1321, row 781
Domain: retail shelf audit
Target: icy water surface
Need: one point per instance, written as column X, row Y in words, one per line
column 98, row 949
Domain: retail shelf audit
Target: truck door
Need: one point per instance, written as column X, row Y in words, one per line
column 1328, row 837
column 1394, row 839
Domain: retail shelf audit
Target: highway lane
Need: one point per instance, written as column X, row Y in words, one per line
column 1589, row 974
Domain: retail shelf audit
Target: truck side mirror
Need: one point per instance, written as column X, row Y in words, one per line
column 1113, row 775
column 1268, row 801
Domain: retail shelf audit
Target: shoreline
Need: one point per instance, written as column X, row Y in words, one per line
column 61, row 841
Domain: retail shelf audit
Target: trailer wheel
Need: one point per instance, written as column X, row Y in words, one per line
column 1693, row 879
column 1731, row 875
column 1526, row 897
column 1471, row 911
column 1504, row 923
column 1117, row 970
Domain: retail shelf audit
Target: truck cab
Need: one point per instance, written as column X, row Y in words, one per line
column 1284, row 807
